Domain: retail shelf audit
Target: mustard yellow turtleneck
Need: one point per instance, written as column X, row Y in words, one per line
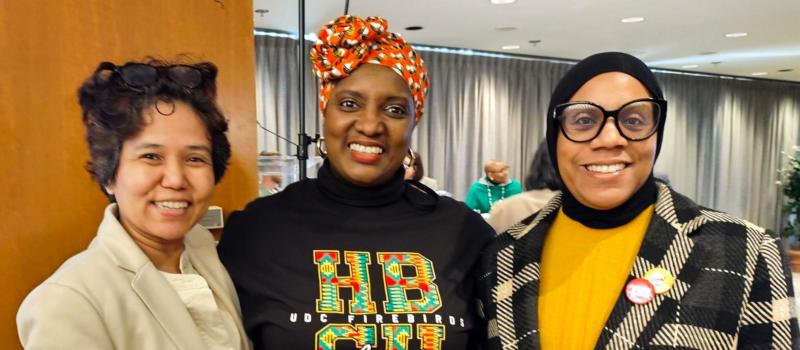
column 583, row 272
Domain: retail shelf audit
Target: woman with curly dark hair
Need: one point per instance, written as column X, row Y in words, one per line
column 151, row 279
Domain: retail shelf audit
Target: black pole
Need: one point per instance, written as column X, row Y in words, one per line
column 302, row 148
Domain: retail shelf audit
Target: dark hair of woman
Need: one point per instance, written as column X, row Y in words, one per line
column 542, row 174
column 419, row 170
column 113, row 113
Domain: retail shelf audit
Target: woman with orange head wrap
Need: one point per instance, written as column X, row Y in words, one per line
column 359, row 257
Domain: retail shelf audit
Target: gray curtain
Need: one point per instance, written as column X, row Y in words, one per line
column 277, row 94
column 480, row 108
column 722, row 140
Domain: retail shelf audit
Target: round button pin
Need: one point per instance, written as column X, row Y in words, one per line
column 640, row 291
column 661, row 279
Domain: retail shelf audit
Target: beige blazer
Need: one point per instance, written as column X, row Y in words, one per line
column 515, row 208
column 111, row 296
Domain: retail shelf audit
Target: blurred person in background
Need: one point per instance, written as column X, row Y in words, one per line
column 494, row 188
column 416, row 172
column 271, row 175
column 541, row 185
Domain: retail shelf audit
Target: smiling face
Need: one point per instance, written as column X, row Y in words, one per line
column 165, row 177
column 606, row 171
column 368, row 124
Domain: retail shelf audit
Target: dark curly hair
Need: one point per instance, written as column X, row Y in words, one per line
column 112, row 114
column 542, row 174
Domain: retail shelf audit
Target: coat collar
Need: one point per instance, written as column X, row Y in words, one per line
column 154, row 291
column 666, row 244
column 116, row 241
column 202, row 251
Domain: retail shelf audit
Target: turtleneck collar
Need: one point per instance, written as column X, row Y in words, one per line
column 616, row 217
column 352, row 195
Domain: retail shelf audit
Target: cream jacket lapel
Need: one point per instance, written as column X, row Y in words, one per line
column 202, row 251
column 152, row 288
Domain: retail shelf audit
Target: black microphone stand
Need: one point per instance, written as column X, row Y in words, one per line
column 305, row 140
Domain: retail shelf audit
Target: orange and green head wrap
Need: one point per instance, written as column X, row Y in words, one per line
column 349, row 41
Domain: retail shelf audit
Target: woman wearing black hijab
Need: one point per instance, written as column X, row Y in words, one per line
column 619, row 260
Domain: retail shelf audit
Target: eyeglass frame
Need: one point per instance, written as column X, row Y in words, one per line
column 662, row 104
column 109, row 66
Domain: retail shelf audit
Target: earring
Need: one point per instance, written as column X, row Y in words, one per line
column 413, row 159
column 320, row 147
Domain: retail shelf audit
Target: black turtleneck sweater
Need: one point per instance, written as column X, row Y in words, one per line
column 327, row 264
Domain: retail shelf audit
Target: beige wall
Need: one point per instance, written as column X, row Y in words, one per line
column 49, row 208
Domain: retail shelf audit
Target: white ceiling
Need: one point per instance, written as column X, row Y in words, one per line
column 673, row 34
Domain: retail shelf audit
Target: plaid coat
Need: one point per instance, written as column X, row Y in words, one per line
column 732, row 290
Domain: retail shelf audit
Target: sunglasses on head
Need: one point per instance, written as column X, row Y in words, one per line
column 140, row 75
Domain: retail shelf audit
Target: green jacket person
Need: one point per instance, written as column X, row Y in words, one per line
column 493, row 188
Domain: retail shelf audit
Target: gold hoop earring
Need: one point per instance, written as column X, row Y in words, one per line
column 320, row 144
column 413, row 159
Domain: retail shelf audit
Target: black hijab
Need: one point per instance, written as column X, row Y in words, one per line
column 570, row 84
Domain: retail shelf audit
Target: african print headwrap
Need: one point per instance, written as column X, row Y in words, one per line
column 349, row 41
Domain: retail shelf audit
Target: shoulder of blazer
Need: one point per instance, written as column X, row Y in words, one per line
column 199, row 238
column 202, row 249
column 693, row 219
column 82, row 272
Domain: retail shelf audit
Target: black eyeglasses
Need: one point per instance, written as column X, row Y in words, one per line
column 140, row 75
column 636, row 120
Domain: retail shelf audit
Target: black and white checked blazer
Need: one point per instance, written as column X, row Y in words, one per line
column 733, row 287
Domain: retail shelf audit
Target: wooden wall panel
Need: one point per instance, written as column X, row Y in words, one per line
column 49, row 208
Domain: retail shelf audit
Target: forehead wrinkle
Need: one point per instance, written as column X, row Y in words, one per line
column 199, row 148
column 611, row 95
column 149, row 145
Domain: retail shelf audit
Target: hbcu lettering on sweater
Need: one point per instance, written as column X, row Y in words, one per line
column 404, row 318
